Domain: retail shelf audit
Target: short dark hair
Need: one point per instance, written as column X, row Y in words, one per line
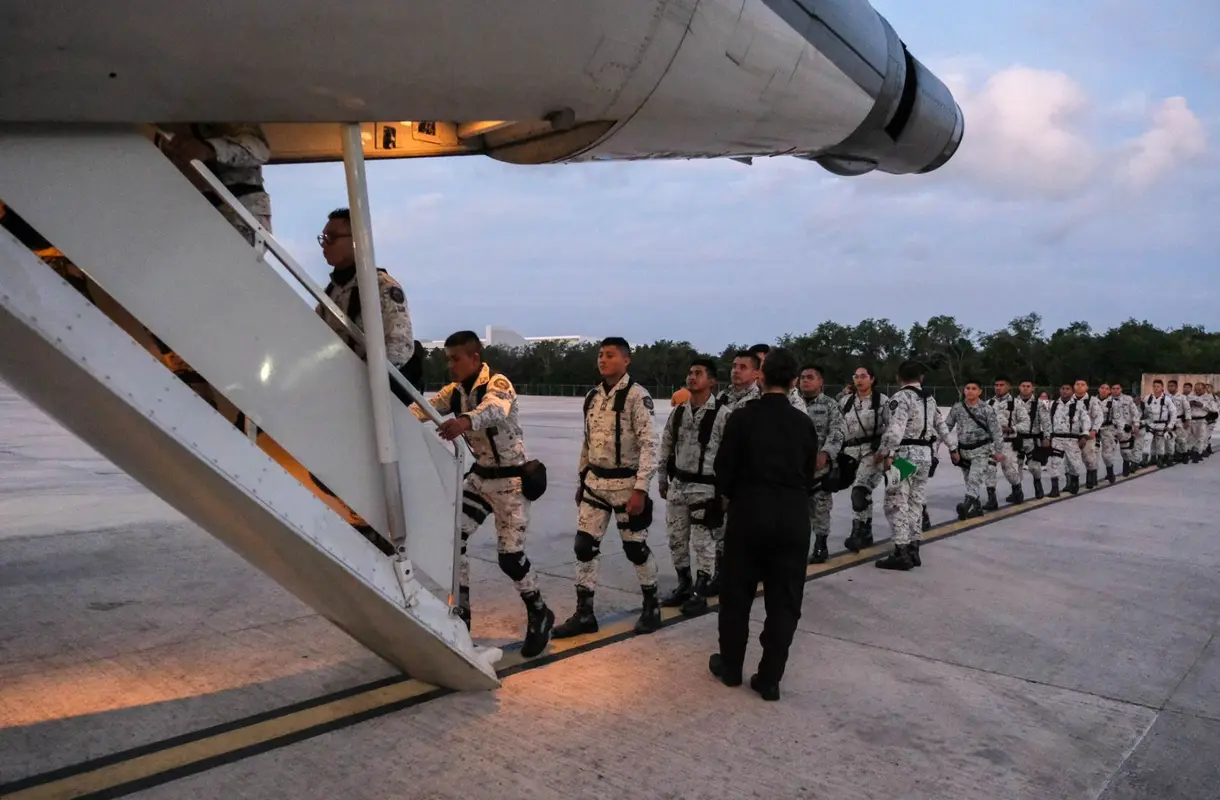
column 911, row 370
column 1158, row 380
column 341, row 213
column 753, row 357
column 619, row 342
column 1002, row 378
column 779, row 370
column 468, row 339
column 974, row 382
column 821, row 372
column 760, row 349
column 707, row 364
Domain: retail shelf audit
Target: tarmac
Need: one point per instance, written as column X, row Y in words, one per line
column 1058, row 649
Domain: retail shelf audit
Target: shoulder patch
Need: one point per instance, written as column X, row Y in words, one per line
column 647, row 401
column 396, row 295
column 500, row 383
column 893, row 405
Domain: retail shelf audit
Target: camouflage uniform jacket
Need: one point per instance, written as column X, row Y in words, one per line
column 342, row 289
column 683, row 446
column 636, row 440
column 495, row 424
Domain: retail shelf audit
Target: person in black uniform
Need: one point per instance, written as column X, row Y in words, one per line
column 765, row 470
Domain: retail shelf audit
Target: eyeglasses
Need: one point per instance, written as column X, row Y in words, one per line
column 331, row 238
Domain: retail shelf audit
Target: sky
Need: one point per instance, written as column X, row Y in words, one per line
column 1086, row 188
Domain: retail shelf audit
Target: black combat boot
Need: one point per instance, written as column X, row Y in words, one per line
column 969, row 508
column 1054, row 488
column 1038, row 494
column 855, row 541
column 820, row 551
column 713, row 587
column 463, row 606
column 992, row 504
column 581, row 621
column 1196, row 457
column 696, row 604
column 1090, row 479
column 1126, row 468
column 1110, row 479
column 679, row 595
column 1073, row 484
column 899, row 560
column 867, row 540
column 927, row 521
column 650, row 615
column 539, row 622
column 914, row 551
column 1018, row 495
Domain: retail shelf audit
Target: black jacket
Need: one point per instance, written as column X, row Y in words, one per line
column 767, row 444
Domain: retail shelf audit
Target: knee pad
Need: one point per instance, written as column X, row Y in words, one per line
column 515, row 565
column 637, row 552
column 587, row 548
column 859, row 498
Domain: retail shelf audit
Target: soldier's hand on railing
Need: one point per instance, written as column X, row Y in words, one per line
column 453, row 428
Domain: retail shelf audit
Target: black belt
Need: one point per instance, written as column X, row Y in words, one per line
column 857, row 442
column 974, row 446
column 611, row 473
column 915, row 443
column 493, row 473
column 694, row 477
column 1068, row 435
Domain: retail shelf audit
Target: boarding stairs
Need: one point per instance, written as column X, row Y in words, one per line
column 120, row 211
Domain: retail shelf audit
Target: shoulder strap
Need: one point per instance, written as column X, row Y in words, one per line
column 970, row 413
column 705, row 432
column 620, row 404
column 589, row 400
column 675, row 427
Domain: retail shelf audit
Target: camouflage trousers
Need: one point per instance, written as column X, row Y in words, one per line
column 1199, row 435
column 1181, row 437
column 1109, row 448
column 1011, row 466
column 820, row 504
column 593, row 521
column 500, row 498
column 978, row 470
column 687, row 536
column 1088, row 453
column 1066, row 449
column 1027, row 450
column 1129, row 445
column 1161, row 443
column 868, row 475
column 904, row 502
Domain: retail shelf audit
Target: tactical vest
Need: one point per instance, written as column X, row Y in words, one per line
column 705, row 436
column 620, row 404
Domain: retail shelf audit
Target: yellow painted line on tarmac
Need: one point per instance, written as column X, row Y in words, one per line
column 161, row 762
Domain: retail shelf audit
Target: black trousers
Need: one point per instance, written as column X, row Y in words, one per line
column 766, row 539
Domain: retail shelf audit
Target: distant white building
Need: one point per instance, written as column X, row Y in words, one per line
column 507, row 337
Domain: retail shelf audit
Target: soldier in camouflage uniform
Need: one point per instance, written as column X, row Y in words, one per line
column 617, row 463
column 340, row 253
column 832, row 430
column 235, row 153
column 1029, row 432
column 915, row 423
column 1160, row 419
column 1126, row 416
column 978, row 442
column 484, row 408
column 1107, row 432
column 1091, row 409
column 760, row 351
column 687, row 481
column 1201, row 406
column 1180, row 445
column 866, row 412
column 1010, row 413
column 1065, row 427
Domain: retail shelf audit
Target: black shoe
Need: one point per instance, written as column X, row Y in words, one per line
column 1090, row 479
column 1054, row 492
column 650, row 615
column 1073, row 484
column 581, row 621
column 969, row 508
column 820, row 551
column 679, row 595
column 900, row 559
column 1038, row 494
column 927, row 521
column 867, row 540
column 696, row 602
column 992, row 504
column 715, row 665
column 1110, row 479
column 1126, row 469
column 767, row 691
column 1018, row 495
column 713, row 586
column 914, row 552
column 539, row 622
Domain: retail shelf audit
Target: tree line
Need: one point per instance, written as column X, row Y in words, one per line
column 953, row 354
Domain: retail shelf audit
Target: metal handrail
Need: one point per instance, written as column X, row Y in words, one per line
column 264, row 239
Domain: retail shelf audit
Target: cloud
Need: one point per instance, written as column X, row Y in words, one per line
column 1176, row 137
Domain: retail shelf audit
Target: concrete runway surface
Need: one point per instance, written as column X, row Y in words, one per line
column 1066, row 652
